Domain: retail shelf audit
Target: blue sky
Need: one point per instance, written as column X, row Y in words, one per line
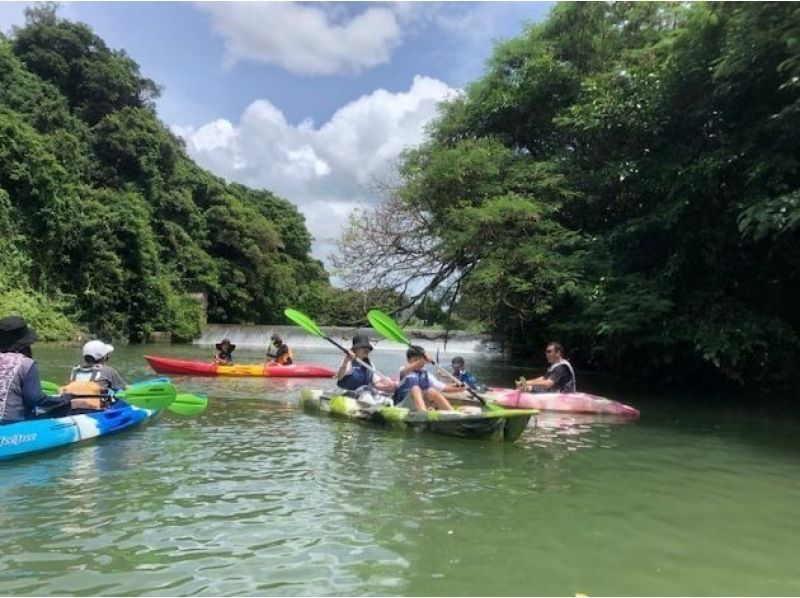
column 311, row 100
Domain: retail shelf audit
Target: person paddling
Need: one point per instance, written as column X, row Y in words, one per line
column 353, row 376
column 91, row 381
column 559, row 377
column 283, row 354
column 21, row 395
column 417, row 386
column 224, row 352
column 460, row 372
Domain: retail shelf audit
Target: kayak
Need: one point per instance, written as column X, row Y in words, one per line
column 574, row 402
column 493, row 422
column 569, row 402
column 36, row 435
column 187, row 367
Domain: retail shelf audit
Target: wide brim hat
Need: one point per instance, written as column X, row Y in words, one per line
column 231, row 346
column 15, row 334
column 361, row 341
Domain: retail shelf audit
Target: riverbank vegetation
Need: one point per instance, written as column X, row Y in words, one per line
column 623, row 177
column 105, row 224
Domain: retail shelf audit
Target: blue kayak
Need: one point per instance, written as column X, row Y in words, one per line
column 36, row 435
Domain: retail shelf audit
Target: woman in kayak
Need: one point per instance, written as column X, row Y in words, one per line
column 21, row 395
column 559, row 377
column 283, row 354
column 224, row 352
column 417, row 386
column 353, row 376
column 460, row 372
column 91, row 381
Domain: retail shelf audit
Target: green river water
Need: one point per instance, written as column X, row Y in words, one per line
column 255, row 497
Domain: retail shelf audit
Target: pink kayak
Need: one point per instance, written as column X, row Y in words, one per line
column 575, row 402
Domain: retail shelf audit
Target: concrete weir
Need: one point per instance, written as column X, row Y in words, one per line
column 257, row 336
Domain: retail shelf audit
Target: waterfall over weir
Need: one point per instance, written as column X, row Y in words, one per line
column 257, row 336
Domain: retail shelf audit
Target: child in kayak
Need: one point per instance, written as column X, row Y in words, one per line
column 91, row 381
column 417, row 386
column 224, row 352
column 283, row 354
column 559, row 377
column 460, row 372
column 356, row 378
column 21, row 395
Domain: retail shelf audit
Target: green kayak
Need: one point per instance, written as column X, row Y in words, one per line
column 492, row 422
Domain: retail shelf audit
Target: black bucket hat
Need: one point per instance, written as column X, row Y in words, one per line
column 231, row 346
column 15, row 334
column 458, row 362
column 361, row 341
column 275, row 337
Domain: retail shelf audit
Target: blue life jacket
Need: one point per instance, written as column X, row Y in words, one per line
column 468, row 379
column 412, row 379
column 359, row 376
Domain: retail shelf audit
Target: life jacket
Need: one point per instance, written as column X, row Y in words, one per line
column 286, row 358
column 467, row 378
column 411, row 380
column 10, row 364
column 359, row 376
column 83, row 385
column 85, row 373
column 572, row 385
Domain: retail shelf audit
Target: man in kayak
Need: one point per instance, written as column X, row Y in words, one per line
column 224, row 352
column 283, row 354
column 417, row 386
column 559, row 377
column 91, row 381
column 460, row 372
column 353, row 376
column 21, row 395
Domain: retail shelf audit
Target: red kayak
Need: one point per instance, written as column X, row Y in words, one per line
column 187, row 367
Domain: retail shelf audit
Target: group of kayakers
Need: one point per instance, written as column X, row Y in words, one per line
column 417, row 389
column 93, row 382
column 90, row 388
column 282, row 356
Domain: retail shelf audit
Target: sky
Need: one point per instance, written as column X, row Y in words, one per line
column 313, row 101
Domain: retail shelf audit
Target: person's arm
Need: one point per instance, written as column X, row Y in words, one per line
column 540, row 382
column 33, row 395
column 116, row 381
column 346, row 367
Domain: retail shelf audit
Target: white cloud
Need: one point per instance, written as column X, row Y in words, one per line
column 325, row 170
column 303, row 38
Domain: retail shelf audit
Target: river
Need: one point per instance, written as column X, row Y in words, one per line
column 255, row 497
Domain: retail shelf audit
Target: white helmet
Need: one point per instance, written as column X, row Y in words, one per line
column 97, row 349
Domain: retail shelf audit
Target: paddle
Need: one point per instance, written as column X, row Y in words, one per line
column 149, row 395
column 188, row 404
column 387, row 327
column 184, row 403
column 311, row 327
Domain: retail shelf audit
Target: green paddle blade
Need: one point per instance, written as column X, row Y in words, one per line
column 387, row 327
column 304, row 322
column 50, row 388
column 153, row 395
column 188, row 404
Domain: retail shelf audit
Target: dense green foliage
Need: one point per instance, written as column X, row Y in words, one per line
column 105, row 221
column 624, row 177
